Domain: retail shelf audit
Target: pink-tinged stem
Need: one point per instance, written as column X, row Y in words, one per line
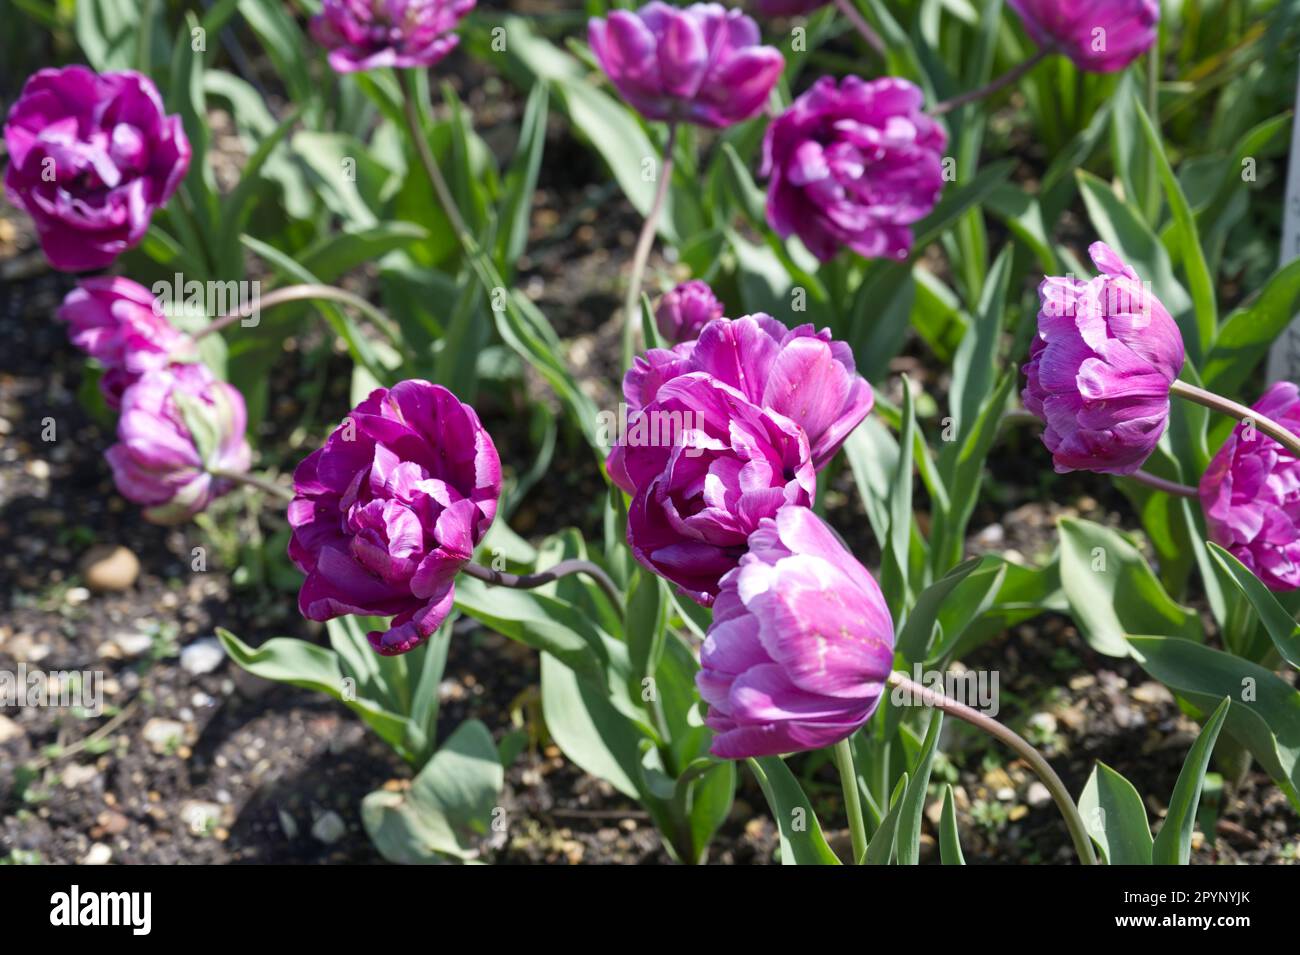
column 307, row 292
column 632, row 304
column 1239, row 411
column 551, row 574
column 854, row 16
column 1043, row 769
column 1006, row 79
column 1160, row 484
column 257, row 481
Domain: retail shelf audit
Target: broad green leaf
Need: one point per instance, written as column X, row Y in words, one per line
column 1173, row 844
column 1281, row 626
column 287, row 660
column 589, row 729
column 448, row 809
column 1265, row 712
column 1249, row 331
column 802, row 842
column 956, row 201
column 1114, row 816
column 542, row 622
column 1113, row 591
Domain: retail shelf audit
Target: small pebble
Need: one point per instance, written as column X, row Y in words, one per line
column 99, row 854
column 329, row 828
column 1038, row 795
column 109, row 569
column 202, row 656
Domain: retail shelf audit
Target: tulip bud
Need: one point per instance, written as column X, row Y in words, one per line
column 117, row 322
column 178, row 426
column 1100, row 36
column 371, row 34
column 1100, row 368
column 700, row 64
column 683, row 312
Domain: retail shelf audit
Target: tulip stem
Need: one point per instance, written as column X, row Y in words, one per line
column 306, row 292
column 854, row 16
column 1006, row 79
column 440, row 186
column 1161, row 484
column 632, row 304
column 257, row 481
column 843, row 752
column 1239, row 411
column 552, row 573
column 1043, row 769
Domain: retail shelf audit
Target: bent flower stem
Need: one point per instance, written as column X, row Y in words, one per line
column 1064, row 802
column 541, row 578
column 1239, row 411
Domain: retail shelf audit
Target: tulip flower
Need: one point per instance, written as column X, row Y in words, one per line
column 1100, row 36
column 118, row 323
column 181, row 431
column 391, row 508
column 701, row 64
column 707, row 469
column 799, row 373
column 854, row 164
column 91, row 157
column 371, row 34
column 800, row 646
column 1101, row 368
column 1251, row 494
column 682, row 313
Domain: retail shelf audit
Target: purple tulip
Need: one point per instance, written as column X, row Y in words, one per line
column 788, row 8
column 391, row 508
column 1251, row 494
column 800, row 645
column 682, row 313
column 803, row 375
column 700, row 64
column 179, row 425
column 709, row 467
column 370, row 34
column 1100, row 368
column 853, row 165
column 118, row 323
column 1100, row 36
column 91, row 156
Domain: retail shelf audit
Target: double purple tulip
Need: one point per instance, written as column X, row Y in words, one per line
column 1100, row 36
column 854, row 164
column 118, row 323
column 91, row 157
column 1251, row 494
column 739, row 421
column 390, row 508
column 1100, row 368
column 178, row 426
column 701, row 64
column 800, row 646
column 372, row 34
